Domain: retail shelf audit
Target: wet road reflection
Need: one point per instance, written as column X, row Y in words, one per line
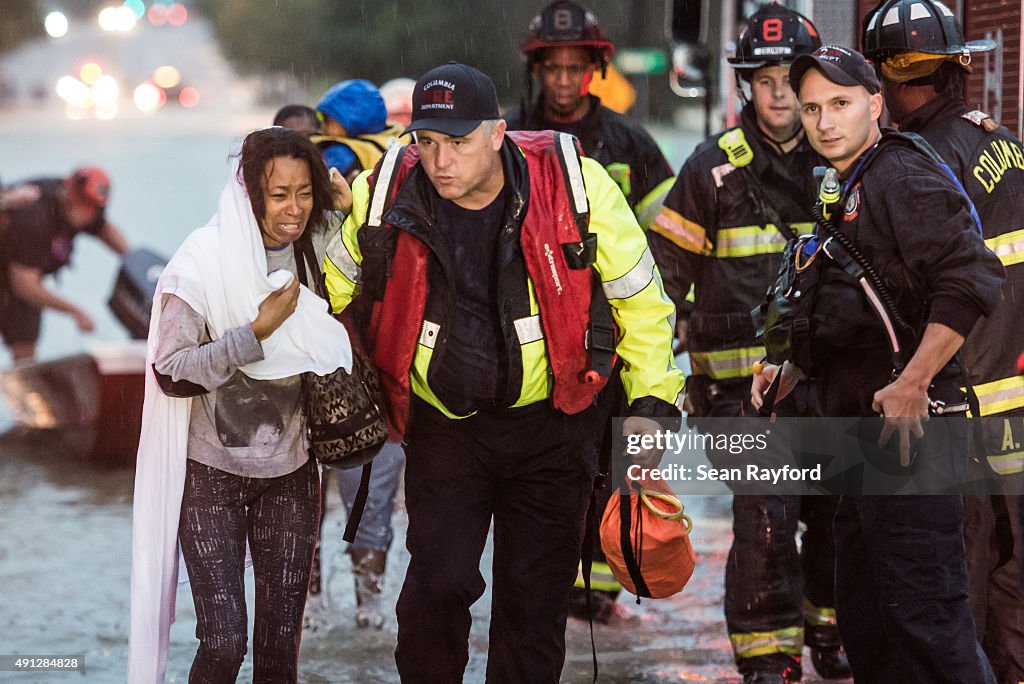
column 64, row 566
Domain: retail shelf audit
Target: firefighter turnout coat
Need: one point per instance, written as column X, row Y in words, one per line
column 989, row 162
column 716, row 234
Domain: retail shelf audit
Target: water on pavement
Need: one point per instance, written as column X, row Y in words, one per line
column 65, row 548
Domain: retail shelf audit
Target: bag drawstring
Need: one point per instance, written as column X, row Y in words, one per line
column 638, row 534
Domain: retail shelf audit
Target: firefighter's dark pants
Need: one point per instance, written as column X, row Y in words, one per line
column 901, row 579
column 766, row 578
column 901, row 591
column 531, row 470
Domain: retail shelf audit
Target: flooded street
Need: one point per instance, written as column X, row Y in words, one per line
column 64, row 567
column 65, row 548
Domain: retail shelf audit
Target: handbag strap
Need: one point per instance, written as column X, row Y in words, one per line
column 648, row 495
column 358, row 505
column 770, row 397
column 308, row 268
column 309, row 272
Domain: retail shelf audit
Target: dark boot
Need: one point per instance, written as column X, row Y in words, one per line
column 775, row 668
column 368, row 572
column 764, row 678
column 827, row 654
column 831, row 663
column 602, row 604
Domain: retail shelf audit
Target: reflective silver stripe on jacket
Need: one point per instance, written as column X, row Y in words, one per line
column 572, row 167
column 633, row 282
column 997, row 396
column 1007, row 464
column 752, row 644
column 744, row 241
column 529, row 329
column 724, row 364
column 1009, row 247
column 339, row 255
column 380, row 188
column 429, row 334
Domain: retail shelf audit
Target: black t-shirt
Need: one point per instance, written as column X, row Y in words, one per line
column 475, row 347
column 39, row 235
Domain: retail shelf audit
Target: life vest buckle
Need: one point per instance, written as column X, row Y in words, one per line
column 600, row 342
column 581, row 255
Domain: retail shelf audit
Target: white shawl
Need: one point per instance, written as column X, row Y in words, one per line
column 220, row 271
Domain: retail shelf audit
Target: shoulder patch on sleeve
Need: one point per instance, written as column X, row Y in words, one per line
column 980, row 118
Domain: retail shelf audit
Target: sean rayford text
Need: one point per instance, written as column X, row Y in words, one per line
column 706, row 473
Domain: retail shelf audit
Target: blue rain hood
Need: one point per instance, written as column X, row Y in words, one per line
column 357, row 105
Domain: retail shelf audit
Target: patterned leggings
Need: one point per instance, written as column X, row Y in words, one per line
column 279, row 517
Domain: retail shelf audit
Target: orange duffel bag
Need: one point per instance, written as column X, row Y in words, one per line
column 647, row 543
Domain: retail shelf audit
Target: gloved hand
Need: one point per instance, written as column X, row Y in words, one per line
column 641, row 420
column 644, row 427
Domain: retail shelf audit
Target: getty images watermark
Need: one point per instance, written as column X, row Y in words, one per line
column 826, row 456
column 675, row 443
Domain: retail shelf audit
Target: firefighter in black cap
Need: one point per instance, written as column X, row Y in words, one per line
column 480, row 251
column 880, row 339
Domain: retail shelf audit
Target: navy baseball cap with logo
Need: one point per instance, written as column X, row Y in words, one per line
column 840, row 65
column 453, row 99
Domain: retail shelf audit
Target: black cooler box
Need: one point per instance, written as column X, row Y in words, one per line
column 132, row 298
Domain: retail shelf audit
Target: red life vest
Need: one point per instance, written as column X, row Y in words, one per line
column 563, row 294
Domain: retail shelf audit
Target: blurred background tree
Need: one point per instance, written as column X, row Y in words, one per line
column 19, row 21
column 320, row 42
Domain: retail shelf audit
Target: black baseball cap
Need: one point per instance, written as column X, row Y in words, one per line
column 840, row 65
column 453, row 99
